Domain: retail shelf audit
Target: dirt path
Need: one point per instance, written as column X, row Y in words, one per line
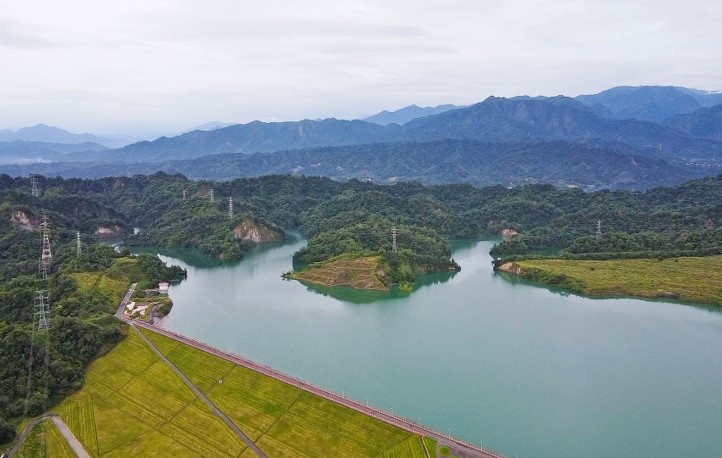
column 64, row 430
column 202, row 396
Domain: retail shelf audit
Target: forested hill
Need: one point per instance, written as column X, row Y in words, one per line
column 589, row 165
column 686, row 217
column 254, row 137
column 39, row 368
column 705, row 122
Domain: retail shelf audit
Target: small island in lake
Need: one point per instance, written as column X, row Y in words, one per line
column 372, row 255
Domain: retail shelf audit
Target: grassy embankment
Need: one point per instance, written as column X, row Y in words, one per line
column 45, row 440
column 359, row 273
column 132, row 404
column 690, row 279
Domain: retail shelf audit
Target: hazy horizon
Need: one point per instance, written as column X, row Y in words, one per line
column 160, row 68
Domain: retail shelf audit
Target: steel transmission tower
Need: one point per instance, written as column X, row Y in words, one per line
column 42, row 309
column 184, row 194
column 42, row 296
column 46, row 256
column 34, row 185
column 78, row 243
column 212, row 197
column 394, row 234
column 599, row 229
column 230, row 207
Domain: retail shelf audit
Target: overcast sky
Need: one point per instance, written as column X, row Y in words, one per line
column 162, row 66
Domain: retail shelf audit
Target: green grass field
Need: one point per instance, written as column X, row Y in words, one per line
column 689, row 279
column 45, row 440
column 132, row 404
column 281, row 419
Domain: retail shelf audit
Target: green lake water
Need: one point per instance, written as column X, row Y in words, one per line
column 528, row 371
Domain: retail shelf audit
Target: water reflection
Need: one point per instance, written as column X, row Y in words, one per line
column 358, row 296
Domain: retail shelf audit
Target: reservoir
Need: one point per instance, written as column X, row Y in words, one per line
column 528, row 371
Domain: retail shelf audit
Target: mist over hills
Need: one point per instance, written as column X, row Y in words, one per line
column 25, row 152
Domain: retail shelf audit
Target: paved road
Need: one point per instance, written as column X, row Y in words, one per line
column 124, row 302
column 64, row 430
column 198, row 393
column 70, row 437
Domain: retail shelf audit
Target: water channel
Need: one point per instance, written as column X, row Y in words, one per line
column 528, row 371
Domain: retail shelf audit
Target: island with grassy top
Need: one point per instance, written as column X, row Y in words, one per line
column 372, row 255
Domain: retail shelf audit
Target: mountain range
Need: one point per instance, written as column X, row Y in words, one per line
column 520, row 119
column 588, row 165
column 592, row 141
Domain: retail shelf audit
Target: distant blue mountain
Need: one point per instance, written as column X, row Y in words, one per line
column 587, row 165
column 208, row 126
column 406, row 114
column 705, row 98
column 649, row 103
column 521, row 119
column 50, row 134
column 705, row 122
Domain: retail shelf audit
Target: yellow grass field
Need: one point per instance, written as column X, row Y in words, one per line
column 691, row 279
column 359, row 273
column 133, row 404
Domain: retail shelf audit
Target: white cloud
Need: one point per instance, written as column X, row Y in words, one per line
column 166, row 65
